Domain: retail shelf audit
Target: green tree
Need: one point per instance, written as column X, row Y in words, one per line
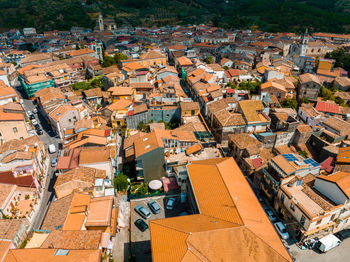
column 81, row 86
column 108, row 61
column 142, row 127
column 305, row 100
column 121, row 182
column 96, row 82
column 210, row 60
column 174, row 123
column 303, row 153
column 30, row 47
column 326, row 94
column 340, row 101
column 341, row 57
column 118, row 57
column 92, row 83
column 290, row 103
column 232, row 85
column 252, row 86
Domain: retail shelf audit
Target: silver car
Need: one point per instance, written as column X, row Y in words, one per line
column 281, row 229
column 170, row 204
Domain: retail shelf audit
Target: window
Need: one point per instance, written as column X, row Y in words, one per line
column 292, row 207
column 332, row 217
column 282, row 198
column 70, row 120
column 302, row 220
column 318, row 222
column 21, row 138
column 15, row 130
column 192, row 112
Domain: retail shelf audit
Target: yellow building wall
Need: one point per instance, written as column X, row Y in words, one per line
column 116, row 98
column 189, row 113
column 122, row 124
column 127, row 97
column 150, row 62
column 325, row 65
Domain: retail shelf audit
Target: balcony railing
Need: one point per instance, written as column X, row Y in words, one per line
column 273, row 181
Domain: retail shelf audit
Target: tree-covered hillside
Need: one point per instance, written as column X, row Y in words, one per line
column 267, row 15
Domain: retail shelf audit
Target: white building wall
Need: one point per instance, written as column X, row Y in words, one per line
column 330, row 190
column 4, row 79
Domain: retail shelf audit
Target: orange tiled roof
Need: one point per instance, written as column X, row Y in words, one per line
column 80, row 52
column 119, row 105
column 50, row 255
column 76, row 214
column 342, row 179
column 100, row 211
column 73, row 239
column 231, row 226
column 184, row 61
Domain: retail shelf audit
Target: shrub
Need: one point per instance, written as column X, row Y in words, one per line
column 121, row 182
column 143, row 189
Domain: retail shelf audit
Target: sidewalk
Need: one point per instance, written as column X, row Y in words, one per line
column 121, row 245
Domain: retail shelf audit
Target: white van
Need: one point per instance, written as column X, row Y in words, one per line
column 327, row 243
column 52, row 149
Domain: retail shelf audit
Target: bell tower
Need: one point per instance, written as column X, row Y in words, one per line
column 304, row 43
column 100, row 23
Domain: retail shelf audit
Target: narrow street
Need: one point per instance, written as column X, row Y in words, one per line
column 48, row 137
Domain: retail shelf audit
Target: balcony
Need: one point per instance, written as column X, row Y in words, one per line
column 270, row 178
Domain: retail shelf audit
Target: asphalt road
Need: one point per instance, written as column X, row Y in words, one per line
column 48, row 137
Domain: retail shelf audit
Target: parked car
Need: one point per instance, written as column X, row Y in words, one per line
column 142, row 211
column 343, row 234
column 54, row 162
column 39, row 131
column 153, row 205
column 34, row 122
column 31, row 116
column 35, row 111
column 141, row 225
column 270, row 214
column 260, row 196
column 281, row 229
column 52, row 149
column 327, row 243
column 171, row 203
column 37, row 126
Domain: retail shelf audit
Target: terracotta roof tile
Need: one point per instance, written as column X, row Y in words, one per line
column 100, row 211
column 231, row 226
column 75, row 239
column 119, row 104
column 57, row 213
column 50, row 255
